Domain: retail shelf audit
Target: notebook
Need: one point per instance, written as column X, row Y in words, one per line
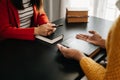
column 50, row 39
column 85, row 47
column 53, row 38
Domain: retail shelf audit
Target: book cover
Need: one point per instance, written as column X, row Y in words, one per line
column 87, row 48
column 56, row 36
column 76, row 12
column 77, row 19
column 50, row 39
column 74, row 15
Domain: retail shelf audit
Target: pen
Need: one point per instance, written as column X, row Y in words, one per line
column 59, row 25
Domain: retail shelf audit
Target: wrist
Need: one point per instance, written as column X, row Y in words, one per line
column 36, row 31
column 102, row 43
column 80, row 56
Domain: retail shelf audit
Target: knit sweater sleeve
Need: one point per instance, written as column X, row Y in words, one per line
column 92, row 70
column 113, row 52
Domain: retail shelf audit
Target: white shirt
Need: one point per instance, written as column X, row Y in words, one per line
column 26, row 14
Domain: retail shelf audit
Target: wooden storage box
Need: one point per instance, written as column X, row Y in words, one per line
column 74, row 15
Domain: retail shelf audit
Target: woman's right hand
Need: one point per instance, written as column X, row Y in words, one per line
column 95, row 38
column 70, row 53
column 44, row 30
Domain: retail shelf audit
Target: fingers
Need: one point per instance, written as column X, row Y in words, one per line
column 45, row 29
column 51, row 24
column 49, row 32
column 92, row 32
column 61, row 48
column 54, row 29
column 50, row 29
column 85, row 38
column 70, row 53
column 82, row 36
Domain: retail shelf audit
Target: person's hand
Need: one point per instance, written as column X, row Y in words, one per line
column 95, row 38
column 70, row 53
column 52, row 25
column 44, row 30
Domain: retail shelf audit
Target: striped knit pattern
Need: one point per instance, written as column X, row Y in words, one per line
column 94, row 71
column 26, row 14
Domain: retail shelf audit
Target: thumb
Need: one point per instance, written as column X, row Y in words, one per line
column 61, row 47
column 50, row 29
column 93, row 32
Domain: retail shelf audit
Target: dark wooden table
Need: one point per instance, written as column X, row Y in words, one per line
column 36, row 60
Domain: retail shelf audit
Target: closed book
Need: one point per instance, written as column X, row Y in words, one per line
column 50, row 39
column 77, row 12
column 53, row 38
column 77, row 19
column 75, row 15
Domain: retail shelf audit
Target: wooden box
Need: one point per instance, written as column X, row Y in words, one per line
column 74, row 15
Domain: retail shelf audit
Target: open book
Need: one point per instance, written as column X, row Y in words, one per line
column 85, row 47
column 50, row 39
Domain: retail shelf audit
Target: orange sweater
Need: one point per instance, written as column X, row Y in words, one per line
column 95, row 71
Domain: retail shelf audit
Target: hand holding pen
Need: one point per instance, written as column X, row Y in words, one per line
column 59, row 25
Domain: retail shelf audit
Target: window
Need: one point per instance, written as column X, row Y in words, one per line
column 111, row 10
column 107, row 11
column 79, row 3
column 83, row 4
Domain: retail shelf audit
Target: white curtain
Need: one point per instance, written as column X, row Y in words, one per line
column 48, row 8
column 63, row 5
column 99, row 7
column 57, row 8
column 67, row 3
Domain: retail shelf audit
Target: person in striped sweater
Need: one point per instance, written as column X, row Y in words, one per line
column 23, row 19
column 93, row 70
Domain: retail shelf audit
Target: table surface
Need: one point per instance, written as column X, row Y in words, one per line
column 37, row 60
